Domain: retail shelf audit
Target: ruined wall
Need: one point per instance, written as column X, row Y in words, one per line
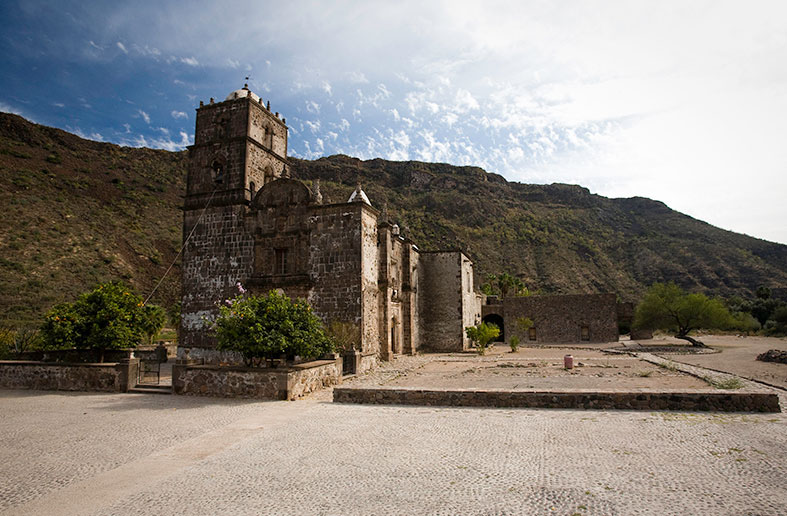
column 441, row 296
column 560, row 319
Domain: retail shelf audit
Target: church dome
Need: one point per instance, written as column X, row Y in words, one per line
column 243, row 92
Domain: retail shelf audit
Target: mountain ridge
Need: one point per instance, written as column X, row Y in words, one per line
column 78, row 212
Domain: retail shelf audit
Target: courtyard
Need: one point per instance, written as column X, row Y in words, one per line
column 84, row 453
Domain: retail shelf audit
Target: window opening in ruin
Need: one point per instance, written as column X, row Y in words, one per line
column 218, row 172
column 531, row 334
column 584, row 333
column 252, row 188
column 281, row 261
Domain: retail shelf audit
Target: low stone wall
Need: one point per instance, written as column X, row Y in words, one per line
column 284, row 383
column 105, row 377
column 684, row 401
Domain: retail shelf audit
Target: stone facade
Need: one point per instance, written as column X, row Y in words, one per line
column 558, row 319
column 247, row 222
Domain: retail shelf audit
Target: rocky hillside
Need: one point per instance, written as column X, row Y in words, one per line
column 558, row 238
column 76, row 212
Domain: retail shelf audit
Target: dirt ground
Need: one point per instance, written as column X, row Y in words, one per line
column 534, row 368
column 737, row 355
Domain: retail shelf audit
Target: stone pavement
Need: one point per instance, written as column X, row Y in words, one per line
column 106, row 454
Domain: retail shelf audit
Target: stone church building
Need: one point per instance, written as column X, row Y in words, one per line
column 248, row 222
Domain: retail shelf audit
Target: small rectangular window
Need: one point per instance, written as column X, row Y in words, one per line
column 584, row 333
column 281, row 263
column 531, row 334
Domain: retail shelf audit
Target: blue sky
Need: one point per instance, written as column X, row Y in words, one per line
column 684, row 102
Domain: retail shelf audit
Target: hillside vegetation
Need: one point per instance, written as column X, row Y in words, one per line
column 77, row 212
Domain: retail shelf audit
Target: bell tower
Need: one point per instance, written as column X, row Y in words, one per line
column 239, row 146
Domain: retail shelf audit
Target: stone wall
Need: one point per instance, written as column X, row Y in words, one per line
column 285, row 383
column 561, row 319
column 441, row 301
column 105, row 377
column 219, row 255
column 683, row 401
column 335, row 263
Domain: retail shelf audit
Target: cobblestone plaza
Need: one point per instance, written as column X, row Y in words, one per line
column 141, row 454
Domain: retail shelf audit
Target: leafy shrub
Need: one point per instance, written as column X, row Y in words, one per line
column 110, row 316
column 269, row 326
column 514, row 343
column 482, row 335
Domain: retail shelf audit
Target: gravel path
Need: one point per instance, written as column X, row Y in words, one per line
column 137, row 454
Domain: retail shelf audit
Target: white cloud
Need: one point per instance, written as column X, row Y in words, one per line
column 312, row 107
column 191, row 61
column 122, row 47
column 178, row 114
column 233, row 63
column 326, row 87
column 357, row 78
column 314, row 126
column 164, row 142
column 144, row 116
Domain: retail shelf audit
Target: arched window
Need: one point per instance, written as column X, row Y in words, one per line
column 252, row 188
column 218, row 172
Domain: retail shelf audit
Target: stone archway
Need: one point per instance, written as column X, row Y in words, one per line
column 497, row 320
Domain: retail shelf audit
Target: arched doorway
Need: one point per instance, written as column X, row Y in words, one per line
column 497, row 320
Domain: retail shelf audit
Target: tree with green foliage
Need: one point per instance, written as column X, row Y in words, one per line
column 482, row 334
column 667, row 307
column 108, row 317
column 504, row 285
column 153, row 318
column 267, row 327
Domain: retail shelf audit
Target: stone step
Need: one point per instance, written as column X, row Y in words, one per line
column 151, row 389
